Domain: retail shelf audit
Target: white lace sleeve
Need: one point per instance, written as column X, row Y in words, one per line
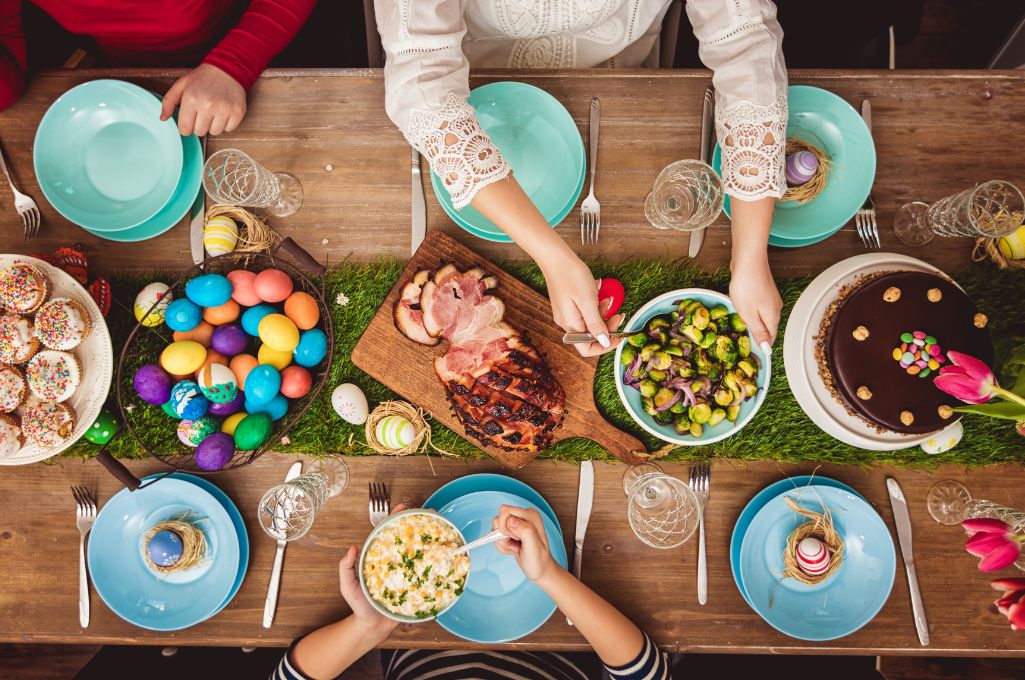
column 426, row 82
column 741, row 41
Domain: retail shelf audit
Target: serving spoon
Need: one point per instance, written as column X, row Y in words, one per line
column 495, row 535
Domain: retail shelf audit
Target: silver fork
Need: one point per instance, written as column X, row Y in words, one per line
column 23, row 205
column 380, row 503
column 700, row 484
column 865, row 219
column 85, row 515
column 590, row 209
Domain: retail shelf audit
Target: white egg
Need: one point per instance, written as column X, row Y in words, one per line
column 350, row 403
column 395, row 432
column 944, row 440
column 149, row 296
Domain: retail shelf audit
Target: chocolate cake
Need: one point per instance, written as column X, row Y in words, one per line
column 885, row 338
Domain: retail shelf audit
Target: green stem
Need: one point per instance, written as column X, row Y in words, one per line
column 1008, row 395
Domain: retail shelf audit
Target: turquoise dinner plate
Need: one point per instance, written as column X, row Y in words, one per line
column 136, row 593
column 463, row 486
column 758, row 502
column 499, row 603
column 541, row 143
column 829, row 122
column 850, row 597
column 103, row 157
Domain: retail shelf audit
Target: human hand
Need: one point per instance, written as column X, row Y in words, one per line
column 209, row 101
column 528, row 541
column 754, row 294
column 574, row 295
column 353, row 595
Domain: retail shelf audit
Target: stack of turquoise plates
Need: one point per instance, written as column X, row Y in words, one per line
column 174, row 601
column 495, row 583
column 827, row 121
column 106, row 162
column 542, row 145
column 850, row 597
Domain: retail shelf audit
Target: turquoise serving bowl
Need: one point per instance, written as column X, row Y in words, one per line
column 826, row 120
column 844, row 602
column 541, row 143
column 499, row 603
column 141, row 596
column 463, row 486
column 631, row 398
column 103, row 157
column 758, row 502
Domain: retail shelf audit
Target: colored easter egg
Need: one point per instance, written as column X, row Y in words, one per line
column 212, row 357
column 276, row 408
column 214, row 452
column 243, row 287
column 232, row 421
column 295, row 382
column 394, row 432
column 183, row 357
column 217, row 383
column 262, row 384
column 312, row 348
column 273, row 285
column 610, row 297
column 801, row 166
column 252, row 317
column 222, row 409
column 188, row 401
column 302, row 309
column 222, row 314
column 1012, row 246
column 164, row 548
column 169, row 409
column 152, row 384
column 350, row 403
column 229, row 340
column 103, row 428
column 253, row 431
column 209, row 290
column 278, row 331
column 158, row 294
column 192, row 432
column 944, row 440
column 220, row 235
column 201, row 334
column 277, row 359
column 812, row 556
column 183, row 315
column 240, row 365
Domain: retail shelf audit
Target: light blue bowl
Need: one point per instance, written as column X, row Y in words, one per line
column 103, row 157
column 758, row 502
column 541, row 143
column 128, row 586
column 463, row 486
column 631, row 398
column 849, row 598
column 830, row 123
column 499, row 603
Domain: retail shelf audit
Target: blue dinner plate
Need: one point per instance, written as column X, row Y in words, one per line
column 499, row 603
column 458, row 488
column 758, row 502
column 236, row 520
column 850, row 597
column 136, row 593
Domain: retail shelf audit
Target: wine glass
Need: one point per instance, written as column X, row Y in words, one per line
column 992, row 209
column 687, row 196
column 634, row 472
column 947, row 502
column 231, row 177
column 663, row 511
column 287, row 510
column 334, row 470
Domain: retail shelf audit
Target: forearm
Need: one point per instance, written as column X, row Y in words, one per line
column 328, row 651
column 751, row 223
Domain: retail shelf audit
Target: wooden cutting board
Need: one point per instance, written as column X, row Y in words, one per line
column 407, row 367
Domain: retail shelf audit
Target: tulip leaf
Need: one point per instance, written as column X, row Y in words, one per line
column 995, row 409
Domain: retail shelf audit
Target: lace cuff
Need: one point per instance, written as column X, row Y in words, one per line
column 753, row 141
column 459, row 151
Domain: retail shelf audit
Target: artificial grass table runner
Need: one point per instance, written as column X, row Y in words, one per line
column 779, row 431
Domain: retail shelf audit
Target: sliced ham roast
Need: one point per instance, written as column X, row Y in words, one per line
column 499, row 385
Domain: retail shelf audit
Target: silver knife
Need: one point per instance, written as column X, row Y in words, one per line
column 903, row 522
column 270, row 605
column 697, row 237
column 419, row 207
column 198, row 222
column 585, row 498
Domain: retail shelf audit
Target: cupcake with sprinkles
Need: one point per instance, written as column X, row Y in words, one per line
column 62, row 323
column 11, row 438
column 23, row 288
column 18, row 341
column 47, row 424
column 12, row 388
column 53, row 375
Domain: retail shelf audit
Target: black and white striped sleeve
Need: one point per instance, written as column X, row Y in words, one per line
column 285, row 670
column 650, row 664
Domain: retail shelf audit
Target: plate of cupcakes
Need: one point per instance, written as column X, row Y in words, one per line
column 56, row 360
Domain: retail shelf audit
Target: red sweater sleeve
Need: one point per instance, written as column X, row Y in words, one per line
column 265, row 29
column 13, row 53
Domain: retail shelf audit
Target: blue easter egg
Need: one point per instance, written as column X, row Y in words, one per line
column 187, row 400
column 169, row 410
column 252, row 317
column 183, row 315
column 262, row 384
column 276, row 408
column 312, row 348
column 209, row 290
column 164, row 548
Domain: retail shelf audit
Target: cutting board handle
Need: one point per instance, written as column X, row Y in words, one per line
column 301, row 255
column 623, row 446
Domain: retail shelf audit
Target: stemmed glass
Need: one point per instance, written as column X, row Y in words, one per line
column 949, row 502
column 231, row 177
column 663, row 511
column 287, row 511
column 634, row 472
column 687, row 196
column 992, row 209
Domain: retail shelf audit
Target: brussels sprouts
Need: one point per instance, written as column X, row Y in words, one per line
column 701, row 362
column 718, row 415
column 648, row 387
column 730, row 381
column 648, row 405
column 692, row 334
column 747, row 367
column 673, row 350
column 664, row 418
column 718, row 312
column 660, row 336
column 723, row 397
column 684, row 303
column 685, row 371
column 696, row 430
column 715, row 372
column 659, row 321
column 681, row 424
column 657, row 375
column 679, row 407
column 699, row 413
column 661, row 360
column 750, row 389
column 629, row 354
column 707, row 340
column 701, row 318
column 694, row 305
column 736, row 323
column 638, row 339
column 648, row 351
column 725, row 350
column 744, row 345
column 732, row 412
column 663, row 395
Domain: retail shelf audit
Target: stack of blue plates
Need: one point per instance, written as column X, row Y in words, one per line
column 495, row 583
column 139, row 595
column 850, row 597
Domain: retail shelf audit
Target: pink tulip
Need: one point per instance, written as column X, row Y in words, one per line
column 992, row 541
column 1012, row 603
column 966, row 378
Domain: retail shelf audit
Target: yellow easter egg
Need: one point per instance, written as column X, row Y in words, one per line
column 158, row 294
column 231, row 422
column 276, row 358
column 220, row 235
column 1012, row 246
column 183, row 357
column 278, row 331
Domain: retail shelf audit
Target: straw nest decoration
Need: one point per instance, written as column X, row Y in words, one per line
column 415, row 415
column 988, row 248
column 802, row 193
column 820, row 527
column 193, row 543
column 254, row 236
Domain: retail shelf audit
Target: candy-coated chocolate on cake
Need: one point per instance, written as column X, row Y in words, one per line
column 885, row 338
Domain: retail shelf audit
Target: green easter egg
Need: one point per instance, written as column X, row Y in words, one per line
column 169, row 410
column 104, row 429
column 253, row 431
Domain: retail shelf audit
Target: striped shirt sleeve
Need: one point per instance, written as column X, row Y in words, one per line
column 285, row 670
column 650, row 664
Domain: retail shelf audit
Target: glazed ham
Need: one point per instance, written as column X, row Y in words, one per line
column 499, row 386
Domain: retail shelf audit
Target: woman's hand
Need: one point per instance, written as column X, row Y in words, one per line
column 754, row 294
column 574, row 295
column 528, row 542
column 209, row 100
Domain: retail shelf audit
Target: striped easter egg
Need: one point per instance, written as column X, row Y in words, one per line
column 1012, row 246
column 220, row 235
column 812, row 556
column 394, row 432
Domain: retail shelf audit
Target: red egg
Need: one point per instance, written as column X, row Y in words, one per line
column 295, row 382
column 610, row 297
column 243, row 290
column 272, row 285
column 240, row 365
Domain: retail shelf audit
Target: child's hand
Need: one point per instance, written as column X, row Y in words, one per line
column 528, row 542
